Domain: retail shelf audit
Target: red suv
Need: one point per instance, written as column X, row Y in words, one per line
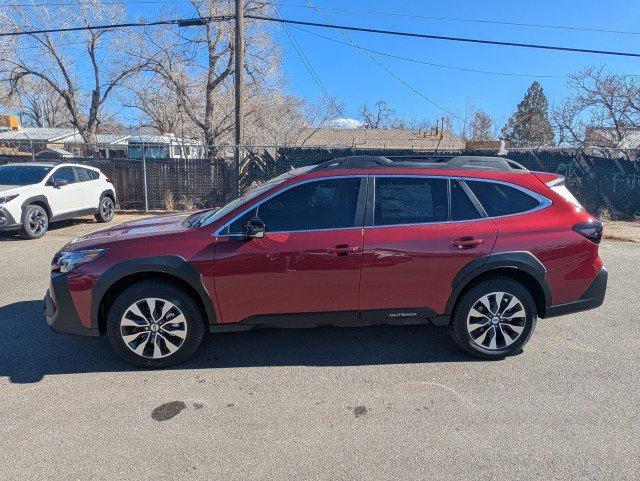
column 480, row 245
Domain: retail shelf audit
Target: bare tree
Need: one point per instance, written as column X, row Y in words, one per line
column 601, row 110
column 83, row 68
column 197, row 66
column 378, row 117
column 38, row 104
column 482, row 127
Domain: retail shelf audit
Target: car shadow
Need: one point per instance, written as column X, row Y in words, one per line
column 30, row 350
column 13, row 235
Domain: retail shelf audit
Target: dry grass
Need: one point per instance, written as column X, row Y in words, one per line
column 628, row 231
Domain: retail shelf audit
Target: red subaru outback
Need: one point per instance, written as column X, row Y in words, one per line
column 480, row 245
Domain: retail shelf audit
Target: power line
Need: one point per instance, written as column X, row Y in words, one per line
column 390, row 72
column 349, row 10
column 203, row 20
column 312, row 72
column 431, row 64
column 180, row 22
column 444, row 37
column 458, row 19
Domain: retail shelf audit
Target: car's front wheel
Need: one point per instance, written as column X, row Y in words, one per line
column 106, row 210
column 155, row 324
column 35, row 222
column 494, row 319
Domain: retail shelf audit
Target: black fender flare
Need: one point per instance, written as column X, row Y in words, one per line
column 31, row 200
column 518, row 260
column 173, row 265
column 108, row 191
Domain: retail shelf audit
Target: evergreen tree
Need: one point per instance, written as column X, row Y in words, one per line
column 529, row 126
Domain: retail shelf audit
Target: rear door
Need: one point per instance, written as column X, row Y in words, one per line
column 90, row 187
column 66, row 198
column 419, row 234
column 307, row 264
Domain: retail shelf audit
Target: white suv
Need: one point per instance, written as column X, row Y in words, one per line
column 36, row 193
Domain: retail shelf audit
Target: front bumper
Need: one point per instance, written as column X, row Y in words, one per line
column 7, row 222
column 60, row 312
column 593, row 297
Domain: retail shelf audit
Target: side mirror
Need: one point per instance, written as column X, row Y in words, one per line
column 254, row 229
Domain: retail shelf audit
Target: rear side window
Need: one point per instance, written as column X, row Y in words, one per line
column 406, row 200
column 461, row 206
column 561, row 189
column 501, row 199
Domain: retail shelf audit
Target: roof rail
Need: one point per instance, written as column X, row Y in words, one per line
column 470, row 162
column 355, row 162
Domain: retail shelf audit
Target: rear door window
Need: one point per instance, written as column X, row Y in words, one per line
column 410, row 200
column 85, row 175
column 500, row 199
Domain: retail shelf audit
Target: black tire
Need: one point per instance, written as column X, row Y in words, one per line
column 137, row 294
column 35, row 222
column 106, row 210
column 506, row 336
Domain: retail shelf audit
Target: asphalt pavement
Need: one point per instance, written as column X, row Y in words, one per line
column 324, row 403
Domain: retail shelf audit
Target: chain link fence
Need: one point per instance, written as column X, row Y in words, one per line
column 602, row 180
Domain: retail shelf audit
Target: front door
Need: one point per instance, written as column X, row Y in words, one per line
column 307, row 265
column 67, row 198
column 416, row 243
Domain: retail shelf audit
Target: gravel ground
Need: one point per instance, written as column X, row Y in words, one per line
column 367, row 403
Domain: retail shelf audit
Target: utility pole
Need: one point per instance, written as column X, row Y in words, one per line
column 239, row 67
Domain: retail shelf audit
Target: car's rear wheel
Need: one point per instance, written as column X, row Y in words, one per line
column 155, row 324
column 494, row 319
column 106, row 209
column 35, row 222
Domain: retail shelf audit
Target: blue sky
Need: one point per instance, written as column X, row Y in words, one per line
column 355, row 78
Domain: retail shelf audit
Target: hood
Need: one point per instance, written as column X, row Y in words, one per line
column 138, row 229
column 12, row 189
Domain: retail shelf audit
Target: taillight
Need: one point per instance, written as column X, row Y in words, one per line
column 591, row 230
column 108, row 179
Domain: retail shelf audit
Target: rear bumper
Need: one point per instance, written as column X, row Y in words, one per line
column 593, row 297
column 60, row 312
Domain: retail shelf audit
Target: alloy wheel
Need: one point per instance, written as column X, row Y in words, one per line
column 107, row 208
column 496, row 320
column 153, row 328
column 38, row 222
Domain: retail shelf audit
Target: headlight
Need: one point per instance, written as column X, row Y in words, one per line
column 66, row 261
column 5, row 199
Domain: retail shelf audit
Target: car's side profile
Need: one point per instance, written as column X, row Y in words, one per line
column 34, row 194
column 477, row 244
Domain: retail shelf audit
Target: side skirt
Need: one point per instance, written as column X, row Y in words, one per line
column 73, row 215
column 394, row 317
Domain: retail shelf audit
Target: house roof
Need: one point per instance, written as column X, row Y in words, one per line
column 40, row 134
column 54, row 152
column 607, row 136
column 382, row 138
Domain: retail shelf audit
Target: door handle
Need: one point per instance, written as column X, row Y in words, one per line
column 344, row 250
column 464, row 243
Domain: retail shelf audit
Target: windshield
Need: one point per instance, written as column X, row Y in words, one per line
column 208, row 217
column 22, row 174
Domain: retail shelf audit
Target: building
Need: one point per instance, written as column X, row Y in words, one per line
column 431, row 139
column 63, row 143
column 608, row 137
